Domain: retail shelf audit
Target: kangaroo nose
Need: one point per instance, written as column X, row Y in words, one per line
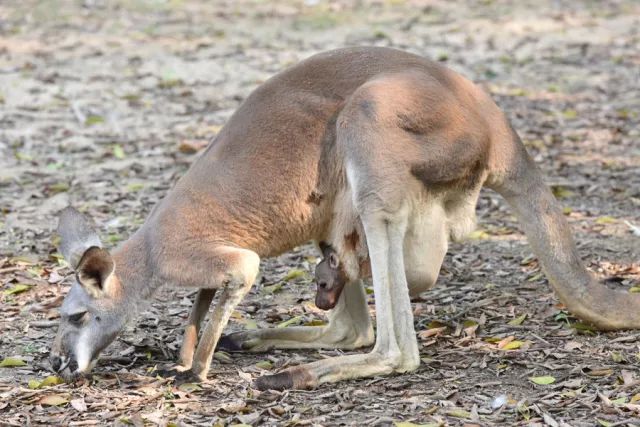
column 322, row 285
column 56, row 362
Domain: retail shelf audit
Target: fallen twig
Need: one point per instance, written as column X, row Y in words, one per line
column 10, row 269
column 635, row 230
column 44, row 323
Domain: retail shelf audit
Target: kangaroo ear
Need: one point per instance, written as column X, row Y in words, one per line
column 76, row 236
column 94, row 272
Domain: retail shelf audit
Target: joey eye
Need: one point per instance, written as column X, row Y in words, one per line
column 77, row 317
column 334, row 262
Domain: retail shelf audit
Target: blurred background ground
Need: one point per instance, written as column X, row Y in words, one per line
column 103, row 104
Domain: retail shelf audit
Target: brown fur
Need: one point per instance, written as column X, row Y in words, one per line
column 351, row 240
column 369, row 139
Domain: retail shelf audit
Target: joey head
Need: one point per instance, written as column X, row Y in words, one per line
column 330, row 278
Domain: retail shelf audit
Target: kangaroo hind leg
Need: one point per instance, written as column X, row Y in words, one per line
column 380, row 184
column 349, row 327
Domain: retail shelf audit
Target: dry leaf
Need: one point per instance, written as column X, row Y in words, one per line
column 12, row 362
column 272, row 289
column 410, row 424
column 544, row 380
column 513, row 345
column 628, row 377
column 294, row 274
column 79, row 405
column 222, row 356
column 572, row 345
column 245, row 376
column 51, row 380
column 518, row 320
column 499, row 401
column 459, row 413
column 264, row 364
column 598, row 372
column 234, row 407
column 55, row 400
column 118, row 152
column 191, row 146
column 189, row 387
column 17, row 289
column 606, row 220
column 292, row 321
column 432, row 332
column 503, row 342
column 478, row 235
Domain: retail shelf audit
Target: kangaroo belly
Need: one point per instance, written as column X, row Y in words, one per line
column 425, row 245
column 432, row 222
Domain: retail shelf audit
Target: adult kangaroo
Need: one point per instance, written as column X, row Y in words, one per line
column 379, row 153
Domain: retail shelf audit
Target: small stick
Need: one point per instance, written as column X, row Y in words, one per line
column 43, row 323
column 10, row 269
column 541, row 339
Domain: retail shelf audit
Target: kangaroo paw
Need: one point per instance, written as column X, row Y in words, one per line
column 186, row 377
column 230, row 343
column 294, row 378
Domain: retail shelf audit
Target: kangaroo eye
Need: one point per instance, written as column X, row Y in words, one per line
column 77, row 317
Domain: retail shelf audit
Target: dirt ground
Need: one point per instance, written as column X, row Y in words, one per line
column 103, row 104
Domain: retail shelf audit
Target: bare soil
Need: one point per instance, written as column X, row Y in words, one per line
column 103, row 104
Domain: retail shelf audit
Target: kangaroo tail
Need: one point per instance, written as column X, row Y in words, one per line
column 520, row 182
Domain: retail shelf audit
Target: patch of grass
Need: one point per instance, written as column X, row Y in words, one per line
column 318, row 19
column 553, row 88
column 93, row 119
column 59, row 187
column 170, row 83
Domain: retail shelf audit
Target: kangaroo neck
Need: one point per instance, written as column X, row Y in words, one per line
column 133, row 269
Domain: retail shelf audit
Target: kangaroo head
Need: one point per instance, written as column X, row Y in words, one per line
column 91, row 315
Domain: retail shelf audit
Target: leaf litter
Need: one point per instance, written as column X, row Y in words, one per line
column 125, row 108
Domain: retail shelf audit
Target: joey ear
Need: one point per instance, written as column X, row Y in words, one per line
column 76, row 236
column 324, row 246
column 326, row 249
column 95, row 272
column 334, row 261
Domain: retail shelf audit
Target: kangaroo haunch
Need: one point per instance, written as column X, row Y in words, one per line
column 379, row 153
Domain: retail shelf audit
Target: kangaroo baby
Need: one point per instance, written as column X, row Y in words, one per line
column 330, row 278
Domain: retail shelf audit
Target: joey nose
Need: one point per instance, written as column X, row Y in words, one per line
column 56, row 362
column 322, row 285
